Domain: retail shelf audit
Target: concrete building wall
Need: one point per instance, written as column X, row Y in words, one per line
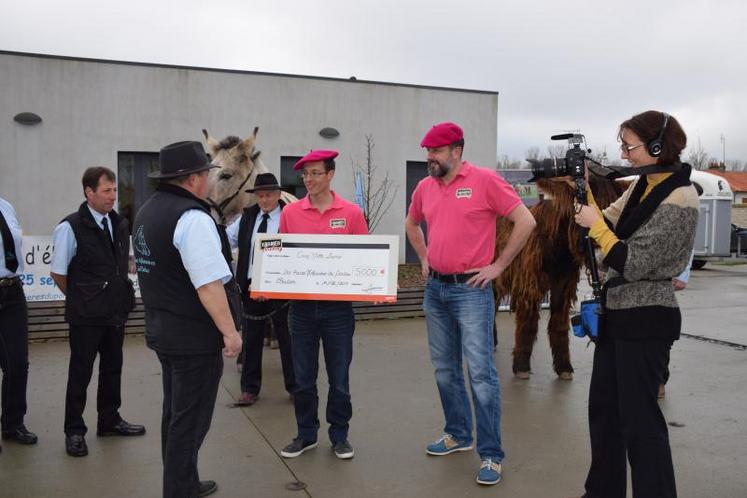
column 91, row 110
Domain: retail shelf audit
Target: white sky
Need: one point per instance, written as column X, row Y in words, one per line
column 558, row 65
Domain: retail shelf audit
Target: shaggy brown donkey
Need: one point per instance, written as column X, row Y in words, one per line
column 551, row 262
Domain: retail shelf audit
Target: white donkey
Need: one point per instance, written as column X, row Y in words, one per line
column 238, row 166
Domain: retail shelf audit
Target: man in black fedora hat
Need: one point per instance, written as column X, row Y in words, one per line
column 262, row 217
column 192, row 308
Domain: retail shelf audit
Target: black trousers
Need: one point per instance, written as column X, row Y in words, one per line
column 190, row 388
column 14, row 355
column 251, row 372
column 85, row 343
column 625, row 420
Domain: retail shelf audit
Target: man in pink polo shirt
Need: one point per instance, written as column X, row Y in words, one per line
column 333, row 322
column 461, row 204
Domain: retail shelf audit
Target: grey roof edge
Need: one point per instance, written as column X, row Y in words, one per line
column 242, row 71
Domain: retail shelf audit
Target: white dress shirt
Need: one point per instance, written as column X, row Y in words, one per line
column 65, row 244
column 15, row 230
column 197, row 240
column 273, row 226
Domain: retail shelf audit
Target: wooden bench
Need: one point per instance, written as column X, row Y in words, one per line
column 47, row 318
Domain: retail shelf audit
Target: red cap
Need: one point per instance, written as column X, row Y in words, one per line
column 442, row 134
column 313, row 156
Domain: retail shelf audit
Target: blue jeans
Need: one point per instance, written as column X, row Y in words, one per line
column 460, row 323
column 333, row 323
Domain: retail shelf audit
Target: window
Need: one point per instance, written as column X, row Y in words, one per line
column 290, row 180
column 133, row 183
column 416, row 171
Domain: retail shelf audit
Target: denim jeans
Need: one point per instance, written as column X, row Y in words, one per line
column 460, row 323
column 333, row 323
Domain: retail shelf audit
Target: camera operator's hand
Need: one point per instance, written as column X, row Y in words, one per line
column 586, row 216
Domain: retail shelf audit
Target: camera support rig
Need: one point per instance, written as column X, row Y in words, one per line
column 575, row 158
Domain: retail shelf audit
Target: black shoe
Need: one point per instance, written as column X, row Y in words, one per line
column 343, row 450
column 121, row 428
column 21, row 435
column 297, row 447
column 207, row 488
column 75, row 445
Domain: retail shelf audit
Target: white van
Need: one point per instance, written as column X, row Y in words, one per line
column 712, row 238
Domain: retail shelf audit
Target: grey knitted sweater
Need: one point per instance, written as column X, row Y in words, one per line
column 656, row 238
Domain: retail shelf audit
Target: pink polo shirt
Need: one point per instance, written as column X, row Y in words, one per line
column 461, row 217
column 342, row 217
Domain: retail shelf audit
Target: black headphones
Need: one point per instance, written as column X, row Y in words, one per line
column 656, row 146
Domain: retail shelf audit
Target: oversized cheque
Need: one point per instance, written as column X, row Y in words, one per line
column 326, row 267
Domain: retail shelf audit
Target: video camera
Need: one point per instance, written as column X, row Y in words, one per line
column 586, row 323
column 571, row 165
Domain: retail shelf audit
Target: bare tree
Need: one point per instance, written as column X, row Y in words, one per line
column 734, row 165
column 532, row 153
column 505, row 162
column 377, row 194
column 698, row 157
column 556, row 150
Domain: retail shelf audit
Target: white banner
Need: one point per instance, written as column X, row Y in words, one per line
column 37, row 257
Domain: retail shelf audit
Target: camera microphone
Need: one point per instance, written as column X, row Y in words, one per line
column 564, row 136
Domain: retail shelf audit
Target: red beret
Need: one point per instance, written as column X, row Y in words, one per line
column 313, row 156
column 442, row 134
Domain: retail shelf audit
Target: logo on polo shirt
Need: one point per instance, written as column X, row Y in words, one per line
column 337, row 223
column 464, row 193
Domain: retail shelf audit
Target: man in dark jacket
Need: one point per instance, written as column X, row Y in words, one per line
column 89, row 266
column 192, row 308
column 14, row 336
column 263, row 217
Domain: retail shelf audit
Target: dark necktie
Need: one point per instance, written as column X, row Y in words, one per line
column 9, row 247
column 261, row 229
column 263, row 224
column 105, row 223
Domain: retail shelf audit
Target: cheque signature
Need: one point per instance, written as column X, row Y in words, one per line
column 371, row 289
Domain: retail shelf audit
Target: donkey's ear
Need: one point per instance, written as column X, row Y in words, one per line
column 251, row 140
column 211, row 142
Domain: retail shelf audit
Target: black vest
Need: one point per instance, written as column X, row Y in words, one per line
column 176, row 322
column 98, row 290
column 246, row 227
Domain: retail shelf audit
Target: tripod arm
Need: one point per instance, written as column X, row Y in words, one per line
column 587, row 243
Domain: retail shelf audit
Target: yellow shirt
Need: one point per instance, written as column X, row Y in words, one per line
column 600, row 232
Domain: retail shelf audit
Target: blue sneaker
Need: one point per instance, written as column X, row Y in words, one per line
column 490, row 472
column 447, row 444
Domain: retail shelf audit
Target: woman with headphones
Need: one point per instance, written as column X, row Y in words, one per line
column 646, row 238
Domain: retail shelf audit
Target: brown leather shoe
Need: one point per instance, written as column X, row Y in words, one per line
column 247, row 399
